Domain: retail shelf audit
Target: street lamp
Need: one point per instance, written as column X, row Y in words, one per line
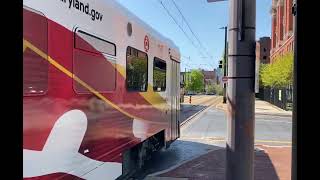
column 225, row 64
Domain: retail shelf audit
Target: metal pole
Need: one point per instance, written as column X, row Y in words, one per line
column 225, row 66
column 185, row 75
column 240, row 92
column 294, row 112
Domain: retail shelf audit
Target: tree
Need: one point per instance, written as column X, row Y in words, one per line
column 137, row 73
column 159, row 78
column 224, row 60
column 279, row 73
column 195, row 82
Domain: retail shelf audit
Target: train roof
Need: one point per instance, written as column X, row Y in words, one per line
column 137, row 20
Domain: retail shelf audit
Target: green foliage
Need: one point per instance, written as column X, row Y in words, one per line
column 210, row 88
column 224, row 60
column 137, row 73
column 218, row 89
column 279, row 73
column 195, row 82
column 159, row 78
column 215, row 88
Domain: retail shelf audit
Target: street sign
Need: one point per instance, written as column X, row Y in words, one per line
column 224, row 79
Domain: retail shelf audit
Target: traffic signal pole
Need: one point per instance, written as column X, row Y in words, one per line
column 225, row 65
column 240, row 92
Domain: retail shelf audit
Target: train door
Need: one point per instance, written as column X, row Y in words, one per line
column 175, row 103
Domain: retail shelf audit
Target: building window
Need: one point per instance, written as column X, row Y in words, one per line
column 264, row 49
column 136, row 70
column 91, row 66
column 35, row 67
column 264, row 57
column 159, row 74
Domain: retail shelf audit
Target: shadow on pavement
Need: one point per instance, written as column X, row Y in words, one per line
column 208, row 162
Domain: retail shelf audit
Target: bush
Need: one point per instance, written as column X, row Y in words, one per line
column 218, row 89
column 210, row 89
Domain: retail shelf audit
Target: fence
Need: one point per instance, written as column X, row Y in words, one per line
column 280, row 97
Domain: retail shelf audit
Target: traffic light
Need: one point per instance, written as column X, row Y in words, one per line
column 220, row 64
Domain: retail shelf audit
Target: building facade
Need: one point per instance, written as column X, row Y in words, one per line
column 209, row 79
column 282, row 28
column 263, row 46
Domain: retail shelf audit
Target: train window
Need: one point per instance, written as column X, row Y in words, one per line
column 91, row 43
column 159, row 74
column 136, row 70
column 35, row 67
column 94, row 69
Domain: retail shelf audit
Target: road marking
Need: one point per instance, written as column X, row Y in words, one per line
column 276, row 121
column 272, row 141
column 222, row 139
column 274, row 146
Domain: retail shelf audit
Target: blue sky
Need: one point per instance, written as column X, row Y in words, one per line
column 204, row 18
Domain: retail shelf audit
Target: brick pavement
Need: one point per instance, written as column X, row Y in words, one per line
column 271, row 163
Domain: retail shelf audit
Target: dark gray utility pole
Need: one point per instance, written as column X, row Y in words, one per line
column 185, row 76
column 225, row 64
column 240, row 91
column 295, row 105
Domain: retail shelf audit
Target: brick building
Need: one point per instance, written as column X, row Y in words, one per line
column 282, row 28
column 209, row 77
column 263, row 50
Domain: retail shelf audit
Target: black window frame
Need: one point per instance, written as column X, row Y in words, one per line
column 94, row 36
column 147, row 79
column 158, row 59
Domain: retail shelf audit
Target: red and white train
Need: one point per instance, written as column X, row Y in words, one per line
column 100, row 90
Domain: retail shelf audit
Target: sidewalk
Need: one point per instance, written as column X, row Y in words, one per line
column 271, row 163
column 262, row 108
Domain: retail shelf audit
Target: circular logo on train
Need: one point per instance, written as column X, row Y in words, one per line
column 146, row 43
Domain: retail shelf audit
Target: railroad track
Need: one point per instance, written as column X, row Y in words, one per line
column 209, row 105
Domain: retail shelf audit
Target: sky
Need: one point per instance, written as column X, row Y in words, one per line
column 203, row 18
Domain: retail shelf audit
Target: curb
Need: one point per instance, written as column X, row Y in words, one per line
column 261, row 113
column 274, row 106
